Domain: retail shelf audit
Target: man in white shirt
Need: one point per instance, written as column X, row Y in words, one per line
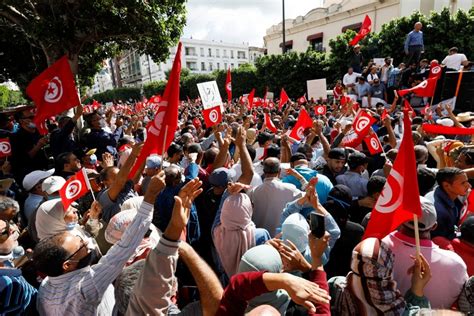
column 447, row 268
column 454, row 61
column 270, row 198
column 76, row 286
column 350, row 79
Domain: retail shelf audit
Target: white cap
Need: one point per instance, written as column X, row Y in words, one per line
column 52, row 184
column 445, row 122
column 34, row 177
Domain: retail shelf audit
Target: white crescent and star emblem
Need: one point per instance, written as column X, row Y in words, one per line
column 423, row 85
column 73, row 189
column 229, row 86
column 391, row 196
column 54, row 91
column 436, row 69
column 5, row 147
column 374, row 143
column 320, row 110
column 155, row 127
column 213, row 116
column 300, row 132
column 362, row 123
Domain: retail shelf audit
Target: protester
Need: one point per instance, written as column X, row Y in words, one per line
column 454, row 61
column 414, row 45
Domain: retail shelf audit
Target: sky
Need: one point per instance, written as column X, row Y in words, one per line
column 237, row 21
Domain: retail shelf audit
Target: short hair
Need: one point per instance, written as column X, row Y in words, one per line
column 304, row 148
column 426, row 180
column 298, row 156
column 453, row 49
column 210, row 155
column 61, row 160
column 174, row 149
column 469, row 154
column 104, row 174
column 273, row 151
column 49, row 255
column 194, row 148
column 252, row 152
column 421, row 154
column 375, row 185
column 6, row 203
column 448, row 175
column 271, row 166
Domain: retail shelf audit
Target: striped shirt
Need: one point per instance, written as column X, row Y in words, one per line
column 89, row 291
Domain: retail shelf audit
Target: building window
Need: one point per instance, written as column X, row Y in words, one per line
column 202, row 51
column 203, row 66
column 241, row 55
column 209, row 52
column 355, row 27
column 317, row 45
column 225, row 65
column 218, row 54
column 288, row 45
column 191, row 66
column 231, row 54
column 232, row 66
column 210, row 66
column 189, row 51
column 218, row 65
column 225, row 53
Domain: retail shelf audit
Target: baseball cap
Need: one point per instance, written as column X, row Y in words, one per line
column 153, row 162
column 428, row 215
column 356, row 159
column 220, row 177
column 32, row 178
column 337, row 153
column 52, row 184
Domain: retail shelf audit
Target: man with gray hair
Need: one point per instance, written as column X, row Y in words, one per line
column 9, row 208
column 414, row 45
column 270, row 198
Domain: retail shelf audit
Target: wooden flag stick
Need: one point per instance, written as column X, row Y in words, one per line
column 164, row 147
column 417, row 236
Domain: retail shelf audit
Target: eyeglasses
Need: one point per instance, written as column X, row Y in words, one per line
column 83, row 244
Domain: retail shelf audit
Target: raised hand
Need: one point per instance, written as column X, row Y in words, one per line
column 304, row 292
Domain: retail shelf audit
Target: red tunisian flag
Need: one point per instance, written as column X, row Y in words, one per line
column 304, row 122
column 250, row 99
column 320, row 110
column 400, row 198
column 362, row 123
column 435, row 70
column 53, row 91
column 5, row 147
column 228, row 86
column 212, row 116
column 75, row 187
column 160, row 131
column 364, row 30
column 302, row 100
column 269, row 124
column 283, row 98
column 373, row 143
column 424, row 89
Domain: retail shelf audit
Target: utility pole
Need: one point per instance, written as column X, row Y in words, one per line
column 283, row 48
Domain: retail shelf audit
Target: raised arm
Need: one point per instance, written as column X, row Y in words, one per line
column 122, row 176
column 246, row 162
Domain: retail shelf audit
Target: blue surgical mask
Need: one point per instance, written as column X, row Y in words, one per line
column 71, row 226
column 93, row 159
column 16, row 127
column 31, row 125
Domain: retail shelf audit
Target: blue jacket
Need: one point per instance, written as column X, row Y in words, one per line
column 448, row 213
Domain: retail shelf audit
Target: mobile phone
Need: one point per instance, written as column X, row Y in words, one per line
column 317, row 225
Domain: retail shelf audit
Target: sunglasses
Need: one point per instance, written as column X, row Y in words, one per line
column 83, row 244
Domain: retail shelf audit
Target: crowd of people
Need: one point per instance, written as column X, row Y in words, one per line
column 224, row 223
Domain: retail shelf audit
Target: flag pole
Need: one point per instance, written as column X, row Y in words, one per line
column 417, row 236
column 86, row 178
column 164, row 146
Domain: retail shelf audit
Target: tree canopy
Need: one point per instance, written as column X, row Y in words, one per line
column 33, row 34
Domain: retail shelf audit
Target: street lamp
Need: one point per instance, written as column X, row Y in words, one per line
column 283, row 47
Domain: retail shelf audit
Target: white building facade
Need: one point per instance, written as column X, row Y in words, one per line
column 320, row 25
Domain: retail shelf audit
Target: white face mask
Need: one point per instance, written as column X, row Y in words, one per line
column 71, row 226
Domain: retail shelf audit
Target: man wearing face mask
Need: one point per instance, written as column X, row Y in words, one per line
column 75, row 287
column 356, row 177
column 28, row 152
column 24, row 300
column 99, row 138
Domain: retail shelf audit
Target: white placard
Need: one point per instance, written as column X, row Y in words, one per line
column 210, row 95
column 270, row 96
column 381, row 61
column 317, row 89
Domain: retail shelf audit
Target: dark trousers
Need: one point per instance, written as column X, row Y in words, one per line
column 414, row 54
